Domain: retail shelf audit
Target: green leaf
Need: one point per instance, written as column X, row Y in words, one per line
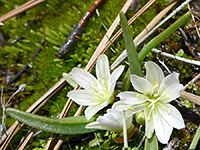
column 159, row 38
column 134, row 63
column 152, row 143
column 195, row 139
column 69, row 125
column 126, row 81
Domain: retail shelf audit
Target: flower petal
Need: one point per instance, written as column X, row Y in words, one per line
column 169, row 81
column 102, row 68
column 96, row 125
column 142, row 85
column 154, row 73
column 162, row 128
column 83, row 97
column 112, row 120
column 117, row 72
column 131, row 98
column 120, row 106
column 83, row 78
column 113, row 78
column 149, row 124
column 171, row 115
column 171, row 93
column 91, row 110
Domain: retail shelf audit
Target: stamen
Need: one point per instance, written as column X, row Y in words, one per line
column 92, row 84
column 169, row 111
column 155, row 95
column 103, row 89
column 130, row 108
column 96, row 82
column 138, row 95
column 92, row 91
column 148, row 119
column 168, row 95
column 155, row 86
column 102, row 81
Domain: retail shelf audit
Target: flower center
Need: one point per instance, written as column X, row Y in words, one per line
column 99, row 90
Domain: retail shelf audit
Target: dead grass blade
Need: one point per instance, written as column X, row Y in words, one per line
column 20, row 9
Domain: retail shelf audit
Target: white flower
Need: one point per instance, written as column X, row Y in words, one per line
column 154, row 94
column 97, row 93
column 112, row 121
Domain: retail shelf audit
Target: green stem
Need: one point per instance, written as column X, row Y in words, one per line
column 155, row 41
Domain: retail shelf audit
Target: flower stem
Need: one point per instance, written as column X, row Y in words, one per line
column 125, row 131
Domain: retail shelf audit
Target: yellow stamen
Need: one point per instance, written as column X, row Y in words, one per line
column 168, row 95
column 155, row 86
column 169, row 110
column 148, row 119
column 102, row 81
column 92, row 84
column 138, row 95
column 103, row 89
column 96, row 82
column 92, row 91
column 130, row 108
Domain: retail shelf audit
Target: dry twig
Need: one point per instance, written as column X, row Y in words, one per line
column 20, row 9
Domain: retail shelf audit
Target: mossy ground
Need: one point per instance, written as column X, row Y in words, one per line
column 54, row 20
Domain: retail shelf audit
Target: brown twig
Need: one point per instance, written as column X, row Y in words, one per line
column 12, row 131
column 20, row 9
column 190, row 97
column 193, row 80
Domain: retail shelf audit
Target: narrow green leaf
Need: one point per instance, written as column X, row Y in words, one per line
column 159, row 38
column 195, row 139
column 126, row 81
column 69, row 125
column 134, row 63
column 152, row 143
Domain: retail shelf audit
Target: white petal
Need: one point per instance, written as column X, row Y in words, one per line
column 120, row 106
column 111, row 87
column 154, row 73
column 83, row 78
column 102, row 68
column 162, row 128
column 168, row 81
column 90, row 111
column 112, row 120
column 149, row 124
column 142, row 85
column 117, row 72
column 113, row 78
column 96, row 125
column 171, row 115
column 171, row 93
column 131, row 98
column 83, row 97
